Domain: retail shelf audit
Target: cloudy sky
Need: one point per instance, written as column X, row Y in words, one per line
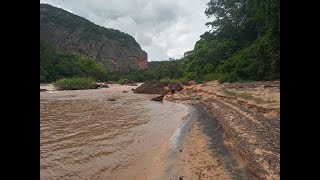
column 163, row 28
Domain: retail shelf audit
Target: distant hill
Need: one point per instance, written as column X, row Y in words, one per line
column 116, row 50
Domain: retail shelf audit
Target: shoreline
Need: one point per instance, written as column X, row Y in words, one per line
column 253, row 135
column 200, row 150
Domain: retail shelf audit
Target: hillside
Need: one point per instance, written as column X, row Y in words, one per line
column 116, row 50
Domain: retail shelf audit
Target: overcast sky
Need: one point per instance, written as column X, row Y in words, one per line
column 163, row 28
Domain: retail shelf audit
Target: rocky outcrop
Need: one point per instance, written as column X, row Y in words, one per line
column 116, row 50
column 150, row 87
column 178, row 86
column 191, row 83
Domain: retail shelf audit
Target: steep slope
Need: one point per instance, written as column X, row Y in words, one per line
column 112, row 48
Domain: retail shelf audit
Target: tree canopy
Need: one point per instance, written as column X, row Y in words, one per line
column 243, row 43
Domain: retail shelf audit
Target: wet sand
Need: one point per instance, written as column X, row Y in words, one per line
column 201, row 150
column 250, row 117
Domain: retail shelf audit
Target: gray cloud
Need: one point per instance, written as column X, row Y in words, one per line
column 164, row 28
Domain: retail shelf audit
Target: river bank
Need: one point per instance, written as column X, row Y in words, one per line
column 201, row 150
column 249, row 114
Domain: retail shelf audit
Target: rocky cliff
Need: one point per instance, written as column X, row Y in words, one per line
column 112, row 48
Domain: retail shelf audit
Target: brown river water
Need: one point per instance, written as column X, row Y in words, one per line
column 85, row 136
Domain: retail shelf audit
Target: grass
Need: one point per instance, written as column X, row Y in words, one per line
column 75, row 84
column 248, row 96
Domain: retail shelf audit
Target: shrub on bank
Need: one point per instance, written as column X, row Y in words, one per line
column 75, row 84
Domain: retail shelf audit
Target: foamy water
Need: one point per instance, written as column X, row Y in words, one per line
column 84, row 136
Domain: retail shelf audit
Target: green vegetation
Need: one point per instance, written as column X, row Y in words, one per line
column 244, row 43
column 166, row 70
column 122, row 81
column 56, row 65
column 75, row 84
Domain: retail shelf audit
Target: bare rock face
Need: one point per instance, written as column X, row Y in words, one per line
column 116, row 50
column 150, row 87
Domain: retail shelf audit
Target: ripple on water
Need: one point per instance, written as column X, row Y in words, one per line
column 84, row 136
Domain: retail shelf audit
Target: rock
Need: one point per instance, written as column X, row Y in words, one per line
column 166, row 89
column 191, row 83
column 43, row 90
column 118, row 53
column 159, row 98
column 105, row 85
column 130, row 83
column 111, row 99
column 150, row 87
column 178, row 86
column 132, row 89
column 125, row 91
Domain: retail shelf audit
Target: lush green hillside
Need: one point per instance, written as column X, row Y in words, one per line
column 243, row 44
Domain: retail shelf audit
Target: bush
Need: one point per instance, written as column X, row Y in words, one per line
column 122, row 81
column 210, row 77
column 183, row 80
column 75, row 84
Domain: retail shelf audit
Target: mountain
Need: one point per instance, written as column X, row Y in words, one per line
column 116, row 50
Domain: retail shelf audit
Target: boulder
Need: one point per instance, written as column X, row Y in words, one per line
column 159, row 98
column 105, row 85
column 178, row 86
column 167, row 89
column 130, row 83
column 191, row 83
column 150, row 87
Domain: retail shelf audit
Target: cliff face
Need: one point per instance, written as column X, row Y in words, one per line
column 112, row 48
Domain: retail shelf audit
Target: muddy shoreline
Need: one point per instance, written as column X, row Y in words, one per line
column 250, row 118
column 200, row 150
